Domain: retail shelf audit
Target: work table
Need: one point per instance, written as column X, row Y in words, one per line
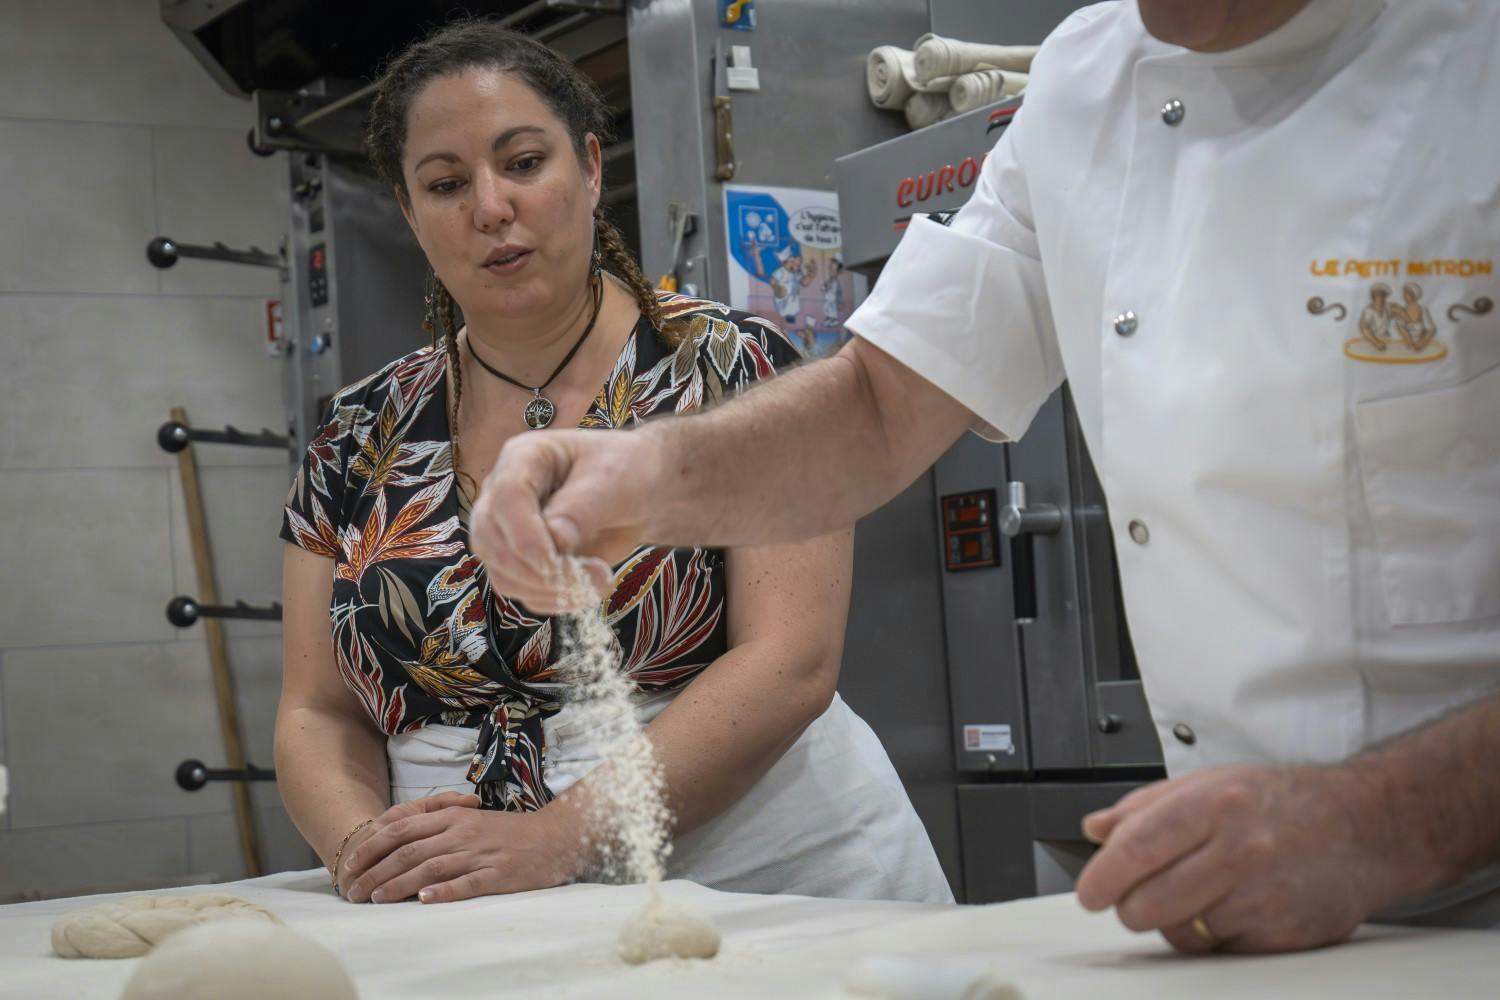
column 559, row 943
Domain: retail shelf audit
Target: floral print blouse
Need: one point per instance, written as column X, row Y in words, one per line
column 418, row 634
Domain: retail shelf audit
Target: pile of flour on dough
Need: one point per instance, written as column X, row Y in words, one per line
column 630, row 807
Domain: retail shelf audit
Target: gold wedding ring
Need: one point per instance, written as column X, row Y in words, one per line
column 1201, row 928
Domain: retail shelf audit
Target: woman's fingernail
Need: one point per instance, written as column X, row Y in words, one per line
column 377, row 896
column 425, row 895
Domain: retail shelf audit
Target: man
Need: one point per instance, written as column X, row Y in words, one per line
column 1375, row 318
column 1308, row 539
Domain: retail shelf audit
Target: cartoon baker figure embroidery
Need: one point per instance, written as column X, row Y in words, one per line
column 1412, row 320
column 1375, row 321
column 1393, row 333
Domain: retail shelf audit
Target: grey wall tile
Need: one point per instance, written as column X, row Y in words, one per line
column 97, row 736
column 88, row 380
column 78, row 206
column 95, row 857
column 96, row 549
column 106, row 60
column 214, row 844
column 256, row 665
column 243, row 510
column 210, row 187
column 214, row 847
column 282, row 847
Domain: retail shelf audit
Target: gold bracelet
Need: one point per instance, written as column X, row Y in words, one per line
column 333, row 869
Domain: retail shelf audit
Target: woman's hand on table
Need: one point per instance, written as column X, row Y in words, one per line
column 416, row 807
column 441, row 850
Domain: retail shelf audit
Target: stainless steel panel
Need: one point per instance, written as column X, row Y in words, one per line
column 984, row 662
column 378, row 275
column 1004, row 826
column 297, row 320
column 895, row 672
column 375, row 270
column 1127, row 737
column 1052, row 643
column 930, row 170
column 669, row 88
column 995, row 829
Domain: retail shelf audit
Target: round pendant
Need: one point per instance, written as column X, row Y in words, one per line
column 539, row 413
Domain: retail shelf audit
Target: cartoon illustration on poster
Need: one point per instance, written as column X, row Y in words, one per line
column 786, row 263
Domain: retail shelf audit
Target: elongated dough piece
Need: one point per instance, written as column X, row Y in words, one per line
column 128, row 928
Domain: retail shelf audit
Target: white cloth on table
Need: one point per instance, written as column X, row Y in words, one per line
column 560, row 942
column 830, row 818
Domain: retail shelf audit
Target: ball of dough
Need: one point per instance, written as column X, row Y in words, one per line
column 240, row 960
column 131, row 927
column 897, row 977
column 668, row 930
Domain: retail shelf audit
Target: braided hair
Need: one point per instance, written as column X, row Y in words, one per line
column 569, row 94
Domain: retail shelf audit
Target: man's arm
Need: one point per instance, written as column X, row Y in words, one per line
column 798, row 456
column 1286, row 858
column 801, row 455
column 1437, row 796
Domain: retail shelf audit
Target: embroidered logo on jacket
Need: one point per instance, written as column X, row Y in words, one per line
column 1395, row 326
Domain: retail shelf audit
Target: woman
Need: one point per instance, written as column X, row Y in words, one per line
column 420, row 746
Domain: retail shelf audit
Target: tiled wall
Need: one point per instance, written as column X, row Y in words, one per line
column 111, row 134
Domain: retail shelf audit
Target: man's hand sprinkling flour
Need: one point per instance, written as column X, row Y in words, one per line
column 540, row 502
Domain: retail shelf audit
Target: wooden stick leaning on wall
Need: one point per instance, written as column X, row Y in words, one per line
column 218, row 652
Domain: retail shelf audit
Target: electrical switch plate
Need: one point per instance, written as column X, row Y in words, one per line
column 739, row 78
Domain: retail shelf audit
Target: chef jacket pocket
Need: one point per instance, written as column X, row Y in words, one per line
column 1430, row 465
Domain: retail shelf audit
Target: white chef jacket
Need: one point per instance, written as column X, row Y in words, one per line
column 1315, row 564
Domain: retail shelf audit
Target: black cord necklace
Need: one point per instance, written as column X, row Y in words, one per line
column 539, row 409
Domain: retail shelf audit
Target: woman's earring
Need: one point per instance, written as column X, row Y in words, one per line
column 597, row 263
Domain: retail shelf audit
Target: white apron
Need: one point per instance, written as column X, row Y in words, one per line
column 830, row 818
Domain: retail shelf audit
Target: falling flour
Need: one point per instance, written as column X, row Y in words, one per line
column 630, row 806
